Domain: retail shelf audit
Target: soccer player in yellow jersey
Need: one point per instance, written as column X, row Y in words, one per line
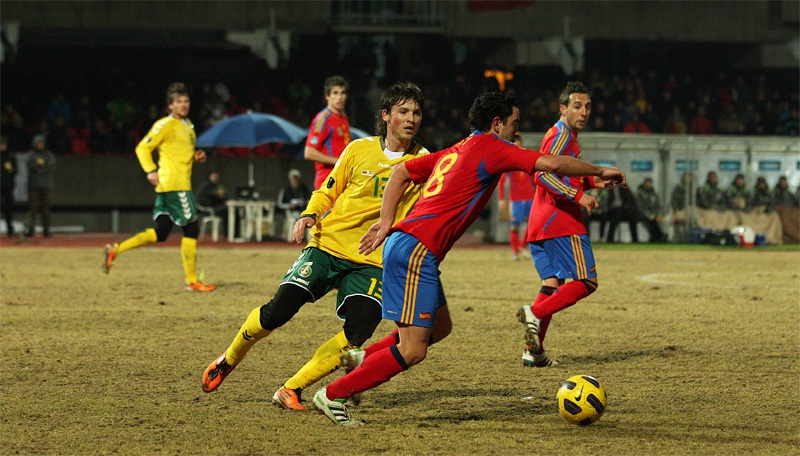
column 352, row 193
column 174, row 137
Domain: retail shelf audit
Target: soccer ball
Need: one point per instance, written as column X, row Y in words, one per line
column 581, row 400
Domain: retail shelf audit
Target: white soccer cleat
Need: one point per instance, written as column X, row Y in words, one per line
column 540, row 360
column 335, row 410
column 526, row 317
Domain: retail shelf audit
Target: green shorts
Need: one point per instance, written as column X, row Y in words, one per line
column 319, row 272
column 180, row 207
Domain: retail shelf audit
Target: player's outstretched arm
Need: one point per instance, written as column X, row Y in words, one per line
column 395, row 188
column 568, row 166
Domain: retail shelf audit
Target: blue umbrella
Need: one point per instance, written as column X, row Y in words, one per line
column 250, row 130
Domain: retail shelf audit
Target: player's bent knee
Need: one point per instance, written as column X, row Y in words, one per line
column 191, row 230
column 284, row 305
column 590, row 285
column 362, row 316
column 163, row 227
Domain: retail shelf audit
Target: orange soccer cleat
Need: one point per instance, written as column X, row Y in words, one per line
column 216, row 372
column 200, row 286
column 288, row 398
column 110, row 254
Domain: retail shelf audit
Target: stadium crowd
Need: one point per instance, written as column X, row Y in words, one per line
column 634, row 101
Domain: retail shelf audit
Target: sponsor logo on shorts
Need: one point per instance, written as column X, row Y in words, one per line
column 298, row 280
column 305, row 269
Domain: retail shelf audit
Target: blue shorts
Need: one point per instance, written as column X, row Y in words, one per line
column 565, row 257
column 412, row 291
column 520, row 210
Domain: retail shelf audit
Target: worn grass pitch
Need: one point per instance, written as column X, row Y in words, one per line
column 698, row 349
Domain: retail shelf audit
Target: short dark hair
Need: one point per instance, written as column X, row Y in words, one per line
column 175, row 89
column 569, row 89
column 335, row 81
column 489, row 105
column 397, row 94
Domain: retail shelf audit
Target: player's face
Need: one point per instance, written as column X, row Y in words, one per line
column 402, row 124
column 510, row 130
column 180, row 106
column 336, row 99
column 577, row 112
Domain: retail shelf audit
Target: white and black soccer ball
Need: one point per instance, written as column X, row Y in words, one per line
column 581, row 400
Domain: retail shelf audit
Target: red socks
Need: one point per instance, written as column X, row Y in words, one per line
column 565, row 296
column 392, row 339
column 514, row 241
column 377, row 369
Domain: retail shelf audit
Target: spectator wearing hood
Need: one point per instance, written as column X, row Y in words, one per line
column 41, row 175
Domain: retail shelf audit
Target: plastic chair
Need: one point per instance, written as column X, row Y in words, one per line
column 211, row 218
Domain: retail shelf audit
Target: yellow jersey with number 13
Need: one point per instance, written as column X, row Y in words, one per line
column 353, row 193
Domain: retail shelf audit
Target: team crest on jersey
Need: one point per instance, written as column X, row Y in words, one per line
column 366, row 172
column 305, row 269
column 339, row 131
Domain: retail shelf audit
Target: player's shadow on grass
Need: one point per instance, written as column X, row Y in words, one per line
column 458, row 404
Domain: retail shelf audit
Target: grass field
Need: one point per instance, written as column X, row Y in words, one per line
column 698, row 349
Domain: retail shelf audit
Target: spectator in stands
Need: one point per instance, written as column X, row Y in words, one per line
column 700, row 124
column 292, row 199
column 41, row 176
column 680, row 192
column 8, row 173
column 791, row 126
column 676, row 123
column 59, row 107
column 59, row 136
column 122, row 140
column 738, row 196
column 782, row 196
column 636, row 125
column 728, row 123
column 212, row 195
column 761, row 198
column 650, row 210
column 622, row 207
column 711, row 195
column 100, row 138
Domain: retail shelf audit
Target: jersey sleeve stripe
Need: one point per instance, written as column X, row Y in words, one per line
column 552, row 181
column 560, row 143
column 319, row 125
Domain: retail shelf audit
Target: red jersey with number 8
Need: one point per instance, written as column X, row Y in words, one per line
column 459, row 181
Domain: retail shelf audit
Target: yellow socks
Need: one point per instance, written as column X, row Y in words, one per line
column 189, row 253
column 324, row 362
column 250, row 333
column 147, row 236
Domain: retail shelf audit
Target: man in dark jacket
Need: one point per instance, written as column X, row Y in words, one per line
column 9, row 172
column 41, row 175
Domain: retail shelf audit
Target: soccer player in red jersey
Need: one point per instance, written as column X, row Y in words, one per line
column 329, row 132
column 557, row 236
column 520, row 194
column 458, row 181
